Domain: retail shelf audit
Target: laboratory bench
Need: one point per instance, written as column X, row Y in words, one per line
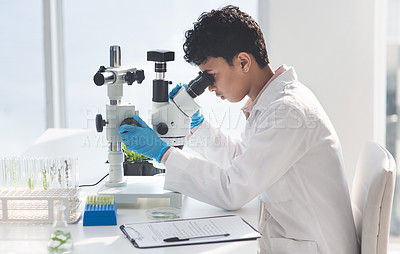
column 90, row 149
column 33, row 238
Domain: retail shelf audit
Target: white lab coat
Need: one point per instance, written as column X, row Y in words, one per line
column 290, row 157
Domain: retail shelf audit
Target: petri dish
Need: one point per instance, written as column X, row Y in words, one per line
column 163, row 213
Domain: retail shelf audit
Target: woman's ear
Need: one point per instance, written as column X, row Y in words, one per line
column 244, row 61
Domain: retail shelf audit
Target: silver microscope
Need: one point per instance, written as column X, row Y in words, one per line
column 115, row 77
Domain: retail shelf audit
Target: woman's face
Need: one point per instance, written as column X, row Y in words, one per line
column 230, row 83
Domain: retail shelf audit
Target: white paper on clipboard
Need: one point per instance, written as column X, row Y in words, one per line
column 198, row 230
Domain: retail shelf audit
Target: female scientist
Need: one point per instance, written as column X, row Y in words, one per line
column 289, row 154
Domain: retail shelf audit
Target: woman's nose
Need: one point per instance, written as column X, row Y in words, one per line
column 212, row 88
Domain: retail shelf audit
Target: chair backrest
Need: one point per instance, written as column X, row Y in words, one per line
column 372, row 197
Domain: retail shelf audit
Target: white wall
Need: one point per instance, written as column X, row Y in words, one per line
column 338, row 50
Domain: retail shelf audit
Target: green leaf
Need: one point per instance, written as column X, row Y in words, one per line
column 132, row 156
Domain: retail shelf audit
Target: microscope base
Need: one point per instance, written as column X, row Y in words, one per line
column 115, row 184
column 142, row 187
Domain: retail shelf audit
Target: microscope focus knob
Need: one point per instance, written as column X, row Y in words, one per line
column 162, row 128
column 100, row 123
column 137, row 76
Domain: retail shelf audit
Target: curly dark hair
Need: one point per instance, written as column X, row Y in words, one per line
column 224, row 33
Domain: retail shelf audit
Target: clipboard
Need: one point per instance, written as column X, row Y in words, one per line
column 203, row 230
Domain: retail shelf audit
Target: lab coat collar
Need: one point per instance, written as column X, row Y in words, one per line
column 283, row 75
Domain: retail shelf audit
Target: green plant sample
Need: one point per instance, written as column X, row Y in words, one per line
column 45, row 184
column 132, row 156
column 14, row 174
column 58, row 240
column 60, row 176
column 31, row 184
column 67, row 172
column 52, row 173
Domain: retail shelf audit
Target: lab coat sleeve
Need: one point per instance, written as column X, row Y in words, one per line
column 277, row 143
column 211, row 143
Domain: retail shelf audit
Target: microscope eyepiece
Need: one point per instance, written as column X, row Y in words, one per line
column 197, row 86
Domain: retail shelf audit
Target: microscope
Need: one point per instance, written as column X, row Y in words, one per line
column 171, row 117
column 170, row 120
column 115, row 77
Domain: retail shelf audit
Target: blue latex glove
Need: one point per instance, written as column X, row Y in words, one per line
column 142, row 139
column 175, row 90
column 198, row 117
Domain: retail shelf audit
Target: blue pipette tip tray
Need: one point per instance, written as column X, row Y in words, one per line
column 100, row 215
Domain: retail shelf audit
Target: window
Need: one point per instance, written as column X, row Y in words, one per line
column 22, row 89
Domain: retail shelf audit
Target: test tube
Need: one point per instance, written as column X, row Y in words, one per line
column 20, row 173
column 68, row 173
column 2, row 173
column 71, row 172
column 3, row 176
column 10, row 172
column 35, row 174
column 52, row 172
column 44, row 173
column 61, row 173
column 32, row 174
column 30, row 167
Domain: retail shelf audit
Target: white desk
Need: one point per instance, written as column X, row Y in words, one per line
column 33, row 238
column 30, row 238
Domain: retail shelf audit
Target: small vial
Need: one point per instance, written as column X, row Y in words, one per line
column 60, row 240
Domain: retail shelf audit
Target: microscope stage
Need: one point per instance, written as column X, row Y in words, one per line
column 142, row 187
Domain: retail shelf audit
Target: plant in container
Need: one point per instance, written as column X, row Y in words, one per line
column 138, row 165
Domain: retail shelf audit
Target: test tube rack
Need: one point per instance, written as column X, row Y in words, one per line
column 36, row 206
column 100, row 210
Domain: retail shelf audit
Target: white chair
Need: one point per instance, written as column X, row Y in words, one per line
column 372, row 197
